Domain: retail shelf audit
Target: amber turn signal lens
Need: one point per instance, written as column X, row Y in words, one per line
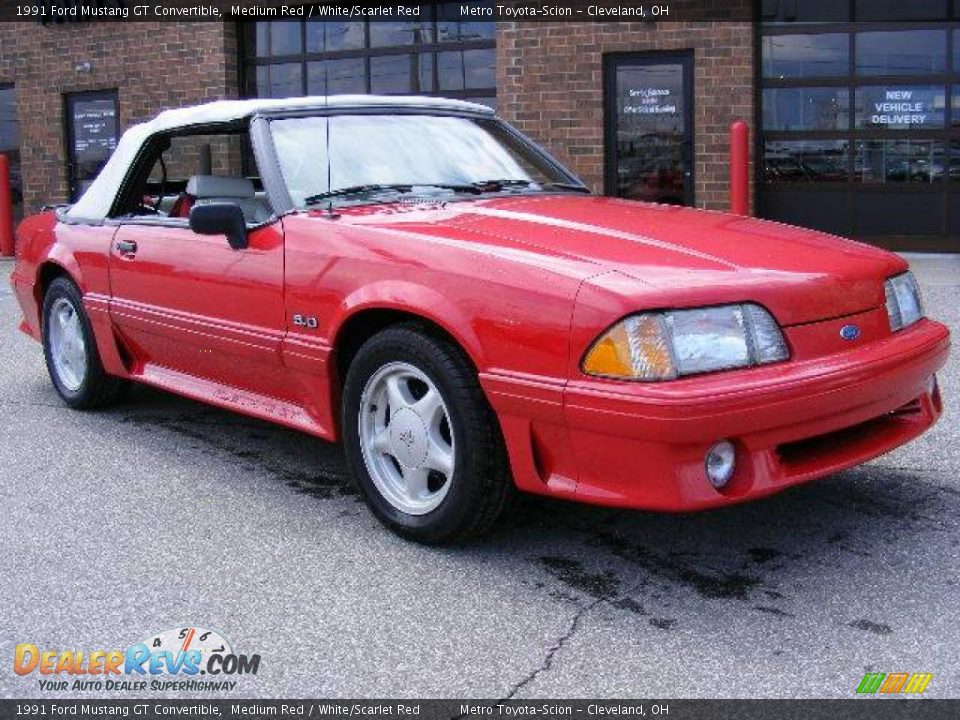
column 635, row 348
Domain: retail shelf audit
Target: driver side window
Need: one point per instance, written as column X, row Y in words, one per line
column 186, row 170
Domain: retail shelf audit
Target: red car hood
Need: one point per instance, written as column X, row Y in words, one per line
column 680, row 256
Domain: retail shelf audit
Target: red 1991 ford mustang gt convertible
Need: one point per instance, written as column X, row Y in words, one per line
column 415, row 277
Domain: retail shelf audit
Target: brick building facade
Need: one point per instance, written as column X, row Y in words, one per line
column 637, row 109
column 550, row 85
column 152, row 66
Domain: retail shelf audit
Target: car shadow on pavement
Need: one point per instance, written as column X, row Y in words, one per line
column 762, row 553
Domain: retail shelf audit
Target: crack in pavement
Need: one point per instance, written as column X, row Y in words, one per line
column 547, row 663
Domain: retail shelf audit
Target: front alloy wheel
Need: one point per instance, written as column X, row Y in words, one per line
column 421, row 441
column 408, row 446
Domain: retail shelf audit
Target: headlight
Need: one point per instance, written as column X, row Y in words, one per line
column 904, row 306
column 666, row 345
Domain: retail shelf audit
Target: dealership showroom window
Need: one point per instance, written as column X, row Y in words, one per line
column 481, row 364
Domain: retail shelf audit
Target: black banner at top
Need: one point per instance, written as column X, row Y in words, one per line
column 56, row 12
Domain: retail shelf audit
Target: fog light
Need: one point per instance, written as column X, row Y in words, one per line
column 720, row 463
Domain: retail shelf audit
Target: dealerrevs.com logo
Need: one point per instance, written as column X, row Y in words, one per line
column 173, row 660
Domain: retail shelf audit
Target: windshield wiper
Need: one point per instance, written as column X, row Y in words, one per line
column 567, row 186
column 484, row 186
column 477, row 188
column 498, row 185
column 357, row 190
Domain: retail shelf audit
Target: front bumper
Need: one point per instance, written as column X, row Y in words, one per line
column 642, row 445
column 23, row 290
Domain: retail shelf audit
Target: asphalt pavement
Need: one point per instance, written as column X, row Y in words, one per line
column 163, row 513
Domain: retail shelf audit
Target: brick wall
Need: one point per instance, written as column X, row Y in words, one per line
column 549, row 78
column 154, row 66
column 550, row 85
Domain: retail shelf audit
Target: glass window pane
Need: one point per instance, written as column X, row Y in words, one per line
column 401, row 73
column 328, row 36
column 901, row 52
column 480, row 68
column 806, row 55
column 900, row 161
column 389, row 34
column 9, row 127
column 956, row 48
column 263, row 81
column 333, row 77
column 806, row 161
column 316, row 36
column 317, row 78
column 347, row 76
column 426, row 73
column 450, row 70
column 899, row 10
column 807, row 11
column 450, row 29
column 903, row 107
column 278, row 81
column 285, row 38
column 478, row 31
column 956, row 106
column 301, row 148
column 263, row 39
column 955, row 161
column 10, row 146
column 806, row 109
column 418, row 149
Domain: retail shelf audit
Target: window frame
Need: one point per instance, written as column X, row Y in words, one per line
column 272, row 175
column 251, row 62
column 850, row 198
column 851, row 82
column 141, row 166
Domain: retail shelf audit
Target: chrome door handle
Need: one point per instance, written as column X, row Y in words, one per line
column 126, row 247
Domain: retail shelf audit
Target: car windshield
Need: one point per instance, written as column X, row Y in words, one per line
column 376, row 158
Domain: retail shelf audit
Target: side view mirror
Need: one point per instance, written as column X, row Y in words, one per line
column 220, row 219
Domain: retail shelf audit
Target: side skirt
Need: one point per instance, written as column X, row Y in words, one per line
column 228, row 398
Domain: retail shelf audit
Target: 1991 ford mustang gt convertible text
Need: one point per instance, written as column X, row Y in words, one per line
column 417, row 278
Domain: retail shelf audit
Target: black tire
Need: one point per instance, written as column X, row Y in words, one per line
column 97, row 388
column 481, row 484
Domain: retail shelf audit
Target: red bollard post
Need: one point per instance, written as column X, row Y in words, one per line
column 740, row 168
column 6, row 209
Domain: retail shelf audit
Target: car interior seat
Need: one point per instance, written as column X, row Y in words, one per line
column 239, row 191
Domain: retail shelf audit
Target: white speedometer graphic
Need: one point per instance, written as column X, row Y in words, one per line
column 185, row 639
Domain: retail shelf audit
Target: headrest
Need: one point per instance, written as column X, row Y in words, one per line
column 212, row 186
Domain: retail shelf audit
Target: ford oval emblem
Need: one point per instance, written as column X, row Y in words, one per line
column 850, row 332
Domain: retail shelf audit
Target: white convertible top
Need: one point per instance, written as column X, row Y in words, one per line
column 94, row 204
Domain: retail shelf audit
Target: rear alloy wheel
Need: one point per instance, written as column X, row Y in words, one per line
column 421, row 440
column 70, row 350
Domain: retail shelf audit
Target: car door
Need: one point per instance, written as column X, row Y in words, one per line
column 191, row 304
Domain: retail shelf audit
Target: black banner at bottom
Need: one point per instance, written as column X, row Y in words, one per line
column 860, row 709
